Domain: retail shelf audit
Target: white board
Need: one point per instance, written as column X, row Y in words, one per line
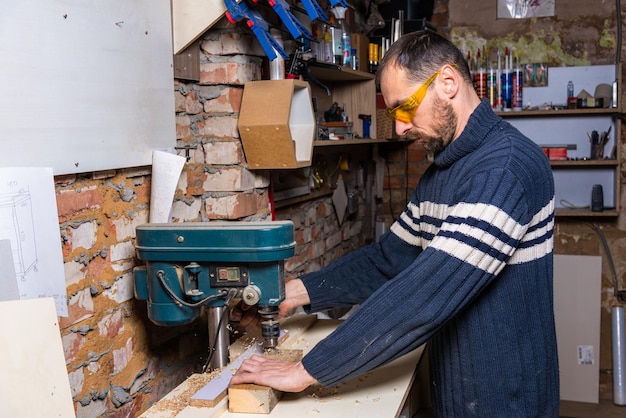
column 85, row 85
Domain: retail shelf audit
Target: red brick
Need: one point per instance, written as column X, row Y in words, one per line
column 219, row 127
column 235, row 206
column 69, row 202
column 229, row 101
column 179, row 102
column 195, row 180
column 79, row 308
column 111, row 325
column 183, row 127
column 192, row 104
column 228, row 73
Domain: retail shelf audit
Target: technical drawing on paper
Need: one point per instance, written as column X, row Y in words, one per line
column 29, row 221
column 17, row 225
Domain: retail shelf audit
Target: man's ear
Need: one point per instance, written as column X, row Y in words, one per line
column 450, row 80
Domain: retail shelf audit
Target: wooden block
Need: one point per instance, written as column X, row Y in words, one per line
column 252, row 399
column 256, row 399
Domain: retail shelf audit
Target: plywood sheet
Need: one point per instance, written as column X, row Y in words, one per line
column 191, row 18
column 577, row 298
column 34, row 379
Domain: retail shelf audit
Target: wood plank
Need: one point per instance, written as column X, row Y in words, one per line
column 257, row 399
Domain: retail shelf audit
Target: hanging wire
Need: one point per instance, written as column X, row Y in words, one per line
column 619, row 294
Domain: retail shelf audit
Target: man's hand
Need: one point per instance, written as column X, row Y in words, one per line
column 281, row 375
column 295, row 295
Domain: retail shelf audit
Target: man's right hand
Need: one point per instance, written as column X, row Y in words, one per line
column 295, row 295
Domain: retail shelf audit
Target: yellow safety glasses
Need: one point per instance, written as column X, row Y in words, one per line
column 405, row 111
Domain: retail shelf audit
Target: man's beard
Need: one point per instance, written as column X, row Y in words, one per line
column 445, row 119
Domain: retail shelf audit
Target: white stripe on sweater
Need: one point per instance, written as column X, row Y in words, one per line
column 488, row 213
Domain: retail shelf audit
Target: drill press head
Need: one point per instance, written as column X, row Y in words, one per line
column 200, row 264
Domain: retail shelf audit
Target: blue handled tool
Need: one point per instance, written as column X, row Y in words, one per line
column 293, row 25
column 237, row 12
column 342, row 3
column 315, row 11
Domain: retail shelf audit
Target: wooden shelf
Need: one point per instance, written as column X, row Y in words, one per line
column 313, row 194
column 561, row 112
column 584, row 212
column 356, row 90
column 340, row 74
column 584, row 163
column 364, row 141
column 575, row 178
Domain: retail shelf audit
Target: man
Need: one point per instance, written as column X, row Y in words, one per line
column 467, row 267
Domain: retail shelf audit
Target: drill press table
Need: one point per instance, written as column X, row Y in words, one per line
column 379, row 393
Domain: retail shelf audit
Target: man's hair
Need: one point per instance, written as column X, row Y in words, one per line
column 421, row 54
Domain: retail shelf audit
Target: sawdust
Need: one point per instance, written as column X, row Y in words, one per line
column 180, row 401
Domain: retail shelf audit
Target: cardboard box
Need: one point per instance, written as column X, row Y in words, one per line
column 277, row 124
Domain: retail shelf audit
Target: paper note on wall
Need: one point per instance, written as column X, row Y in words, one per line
column 29, row 221
column 166, row 169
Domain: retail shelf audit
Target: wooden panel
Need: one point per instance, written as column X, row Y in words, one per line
column 191, row 18
column 34, row 379
column 187, row 63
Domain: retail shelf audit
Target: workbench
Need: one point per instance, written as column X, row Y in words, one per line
column 380, row 393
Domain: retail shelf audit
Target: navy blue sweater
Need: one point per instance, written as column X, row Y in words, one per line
column 467, row 268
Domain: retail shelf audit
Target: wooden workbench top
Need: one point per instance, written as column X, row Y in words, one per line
column 379, row 393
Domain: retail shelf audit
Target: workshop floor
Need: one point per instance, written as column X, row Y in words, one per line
column 604, row 409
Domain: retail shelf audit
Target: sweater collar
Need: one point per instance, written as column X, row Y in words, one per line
column 480, row 122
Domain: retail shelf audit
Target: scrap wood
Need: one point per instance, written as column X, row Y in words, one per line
column 257, row 399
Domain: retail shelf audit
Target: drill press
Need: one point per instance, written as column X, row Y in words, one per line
column 204, row 265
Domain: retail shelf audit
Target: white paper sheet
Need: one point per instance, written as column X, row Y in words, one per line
column 166, row 169
column 29, row 220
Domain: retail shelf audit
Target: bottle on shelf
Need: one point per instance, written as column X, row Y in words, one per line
column 344, row 54
column 571, row 99
column 277, row 65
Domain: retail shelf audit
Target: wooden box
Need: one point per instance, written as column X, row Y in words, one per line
column 277, row 124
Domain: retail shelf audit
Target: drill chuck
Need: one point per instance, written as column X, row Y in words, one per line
column 270, row 330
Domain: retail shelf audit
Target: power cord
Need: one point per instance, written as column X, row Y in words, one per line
column 215, row 340
column 619, row 294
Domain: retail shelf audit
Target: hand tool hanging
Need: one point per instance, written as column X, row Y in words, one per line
column 315, row 11
column 236, row 12
column 293, row 25
column 342, row 3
